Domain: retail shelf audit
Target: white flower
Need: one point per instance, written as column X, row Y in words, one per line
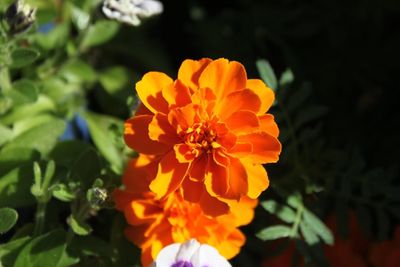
column 131, row 11
column 189, row 254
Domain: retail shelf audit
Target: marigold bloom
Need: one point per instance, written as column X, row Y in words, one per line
column 209, row 132
column 154, row 224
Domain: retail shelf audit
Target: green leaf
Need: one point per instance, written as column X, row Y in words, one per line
column 274, row 232
column 41, row 138
column 318, row 227
column 99, row 127
column 65, row 153
column 78, row 226
column 28, row 123
column 10, row 250
column 99, row 33
column 23, row 92
column 77, row 71
column 15, row 157
column 63, row 193
column 284, row 213
column 23, row 56
column 57, row 37
column 114, row 79
column 287, row 78
column 8, row 218
column 86, row 167
column 29, row 110
column 15, row 187
column 267, row 73
column 92, row 246
column 46, row 250
column 5, row 134
column 309, row 235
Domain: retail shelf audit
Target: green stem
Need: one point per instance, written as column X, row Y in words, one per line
column 5, row 80
column 40, row 218
column 295, row 227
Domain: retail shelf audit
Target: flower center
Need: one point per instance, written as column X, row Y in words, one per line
column 182, row 264
column 201, row 136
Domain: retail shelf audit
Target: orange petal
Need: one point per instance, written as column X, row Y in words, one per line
column 142, row 212
column 220, row 158
column 142, row 110
column 243, row 121
column 243, row 210
column 160, row 130
column 149, row 91
column 238, row 185
column 169, row 176
column 198, row 168
column 192, row 191
column 268, row 124
column 135, row 177
column 239, row 100
column 216, row 180
column 230, row 247
column 177, row 94
column 223, row 77
column 184, row 117
column 257, row 179
column 265, row 94
column 212, row 206
column 190, row 71
column 266, row 148
column 136, row 136
column 122, row 199
column 184, row 153
column 241, row 149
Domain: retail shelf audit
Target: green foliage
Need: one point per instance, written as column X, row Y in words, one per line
column 8, row 218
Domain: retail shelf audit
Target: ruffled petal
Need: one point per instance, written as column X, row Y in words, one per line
column 136, row 136
column 257, row 179
column 142, row 212
column 198, row 168
column 177, row 94
column 149, row 90
column 245, row 99
column 230, row 247
column 169, row 176
column 266, row 148
column 268, row 124
column 216, row 180
column 238, row 185
column 160, row 130
column 265, row 94
column 223, row 77
column 190, row 71
column 212, row 206
column 184, row 117
column 243, row 121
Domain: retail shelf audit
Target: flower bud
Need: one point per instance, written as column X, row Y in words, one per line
column 19, row 17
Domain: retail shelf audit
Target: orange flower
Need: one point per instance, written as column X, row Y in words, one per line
column 154, row 224
column 209, row 132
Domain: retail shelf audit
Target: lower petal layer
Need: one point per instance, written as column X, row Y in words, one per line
column 169, row 176
column 257, row 179
column 265, row 147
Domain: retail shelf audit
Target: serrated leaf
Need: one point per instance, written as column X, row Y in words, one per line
column 284, row 213
column 318, row 227
column 309, row 235
column 23, row 56
column 99, row 33
column 274, row 232
column 8, row 218
column 267, row 73
column 79, row 227
column 46, row 250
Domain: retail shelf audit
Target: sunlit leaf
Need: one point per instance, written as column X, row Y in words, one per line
column 23, row 56
column 267, row 73
column 8, row 218
column 99, row 33
column 274, row 232
column 283, row 212
column 318, row 227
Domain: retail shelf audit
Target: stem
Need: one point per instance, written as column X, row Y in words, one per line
column 5, row 80
column 296, row 224
column 40, row 218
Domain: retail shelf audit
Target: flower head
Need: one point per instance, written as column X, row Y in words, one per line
column 20, row 16
column 131, row 11
column 154, row 224
column 208, row 132
column 189, row 254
